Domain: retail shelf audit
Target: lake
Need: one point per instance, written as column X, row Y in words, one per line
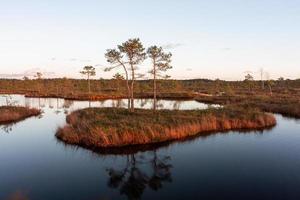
column 232, row 165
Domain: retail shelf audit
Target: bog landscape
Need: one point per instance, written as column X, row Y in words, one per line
column 142, row 125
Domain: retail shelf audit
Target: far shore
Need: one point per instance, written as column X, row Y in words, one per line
column 286, row 104
column 100, row 97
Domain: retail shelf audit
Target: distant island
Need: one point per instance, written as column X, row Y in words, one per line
column 12, row 114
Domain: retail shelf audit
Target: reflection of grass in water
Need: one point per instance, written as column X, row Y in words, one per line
column 9, row 101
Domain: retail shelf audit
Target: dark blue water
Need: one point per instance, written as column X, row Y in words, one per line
column 254, row 165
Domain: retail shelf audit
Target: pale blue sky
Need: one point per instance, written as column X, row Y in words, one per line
column 209, row 39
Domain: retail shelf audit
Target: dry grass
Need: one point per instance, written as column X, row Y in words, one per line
column 286, row 105
column 106, row 127
column 99, row 97
column 10, row 114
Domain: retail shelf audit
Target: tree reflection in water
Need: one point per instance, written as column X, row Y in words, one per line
column 177, row 105
column 118, row 103
column 159, row 105
column 161, row 172
column 7, row 128
column 67, row 105
column 133, row 178
column 143, row 102
column 57, row 111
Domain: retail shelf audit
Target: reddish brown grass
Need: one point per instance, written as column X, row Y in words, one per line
column 286, row 105
column 100, row 127
column 9, row 114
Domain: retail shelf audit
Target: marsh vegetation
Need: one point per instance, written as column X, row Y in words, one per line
column 107, row 127
column 11, row 114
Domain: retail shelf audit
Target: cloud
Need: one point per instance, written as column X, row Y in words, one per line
column 171, row 45
column 86, row 60
column 78, row 60
column 29, row 73
column 99, row 65
column 226, row 49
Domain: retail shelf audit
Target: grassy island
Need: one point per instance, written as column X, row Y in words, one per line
column 286, row 105
column 107, row 127
column 10, row 114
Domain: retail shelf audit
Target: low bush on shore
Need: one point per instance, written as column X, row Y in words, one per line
column 107, row 127
column 10, row 114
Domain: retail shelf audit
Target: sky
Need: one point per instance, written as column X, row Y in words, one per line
column 208, row 39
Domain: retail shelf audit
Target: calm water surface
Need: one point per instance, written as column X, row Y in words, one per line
column 233, row 165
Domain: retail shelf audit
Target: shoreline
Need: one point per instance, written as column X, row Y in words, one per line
column 132, row 149
column 288, row 107
column 14, row 114
column 100, row 97
column 106, row 128
column 280, row 104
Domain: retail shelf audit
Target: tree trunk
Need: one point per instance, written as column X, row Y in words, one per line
column 262, row 81
column 89, row 84
column 249, row 85
column 118, row 86
column 132, row 85
column 270, row 89
column 154, row 87
column 127, row 85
